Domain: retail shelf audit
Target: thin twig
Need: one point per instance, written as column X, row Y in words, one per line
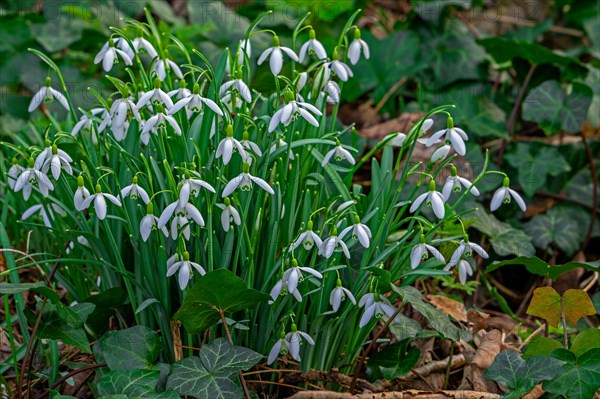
column 242, row 380
column 69, row 375
column 590, row 157
column 25, row 364
column 389, row 93
column 575, row 201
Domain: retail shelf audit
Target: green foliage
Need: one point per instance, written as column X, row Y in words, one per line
column 133, row 348
column 557, row 226
column 505, row 239
column 392, row 361
column 585, row 341
column 40, row 287
column 535, row 265
column 573, row 304
column 578, row 377
column 539, row 346
column 214, row 372
column 132, row 384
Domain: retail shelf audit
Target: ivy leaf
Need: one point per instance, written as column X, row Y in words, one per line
column 392, row 361
column 39, row 287
column 549, row 305
column 504, row 50
column 535, row 265
column 406, row 328
column 431, row 10
column 586, row 340
column 438, row 320
column 555, row 226
column 219, row 290
column 577, row 378
column 133, row 348
column 132, row 384
column 214, row 372
column 540, row 345
column 548, row 106
column 106, row 303
column 576, row 304
column 521, row 376
column 505, row 239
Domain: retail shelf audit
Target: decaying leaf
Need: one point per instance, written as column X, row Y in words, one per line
column 449, row 306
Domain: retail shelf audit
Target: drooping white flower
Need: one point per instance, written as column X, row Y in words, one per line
column 185, row 270
column 161, row 65
column 342, row 70
column 57, row 161
column 183, row 214
column 182, row 92
column 331, row 243
column 191, row 186
column 312, row 45
column 294, row 339
column 454, row 183
column 142, row 45
column 338, row 153
column 29, row 177
column 228, row 145
column 250, row 145
column 345, row 205
column 149, row 223
column 80, row 194
column 279, row 348
column 99, row 199
column 275, row 55
column 194, row 102
column 156, row 122
column 333, row 92
column 440, row 153
column 244, row 50
column 464, row 269
column 399, row 138
column 453, row 135
column 281, row 288
column 338, row 294
column 308, row 239
column 433, row 199
column 236, row 85
column 47, row 94
column 357, row 47
column 155, row 97
column 121, row 111
column 466, row 248
column 294, row 275
column 375, row 305
column 230, row 214
column 134, row 191
column 122, row 44
column 503, row 196
column 13, row 173
column 420, row 252
column 86, row 123
column 280, row 142
column 360, row 232
column 109, row 54
column 244, row 181
column 291, row 109
column 47, row 213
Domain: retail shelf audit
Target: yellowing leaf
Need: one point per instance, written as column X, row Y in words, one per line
column 576, row 304
column 545, row 304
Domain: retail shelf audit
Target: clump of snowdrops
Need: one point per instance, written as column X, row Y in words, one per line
column 185, row 168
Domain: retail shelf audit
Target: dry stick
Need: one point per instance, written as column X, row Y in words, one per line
column 69, row 375
column 447, row 376
column 564, row 324
column 409, row 394
column 25, row 364
column 532, row 335
column 590, row 157
column 242, row 380
column 389, row 93
column 371, row 345
column 568, row 199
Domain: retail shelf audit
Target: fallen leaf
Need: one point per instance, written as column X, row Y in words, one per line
column 449, row 306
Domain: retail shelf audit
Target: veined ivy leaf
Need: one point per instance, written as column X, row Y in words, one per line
column 392, row 361
column 438, row 320
column 578, row 377
column 406, row 328
column 217, row 290
column 549, row 305
column 133, row 348
column 540, row 345
column 40, row 287
column 534, row 162
column 132, row 384
column 505, row 239
column 586, row 340
column 555, row 227
column 548, row 106
column 521, row 376
column 214, row 372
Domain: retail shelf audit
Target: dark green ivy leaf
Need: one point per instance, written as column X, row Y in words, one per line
column 133, row 348
column 555, row 227
column 578, row 377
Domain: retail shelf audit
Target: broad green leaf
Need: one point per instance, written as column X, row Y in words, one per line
column 540, row 345
column 438, row 320
column 555, row 226
column 107, row 302
column 431, row 10
column 40, row 287
column 546, row 304
column 505, row 239
column 133, row 348
column 133, row 384
column 504, row 50
column 217, row 290
column 529, row 33
column 586, row 340
column 406, row 328
column 535, row 265
column 554, row 111
column 577, row 378
column 383, row 277
column 576, row 304
column 534, row 163
column 520, row 376
column 59, row 33
column 214, row 372
column 392, row 361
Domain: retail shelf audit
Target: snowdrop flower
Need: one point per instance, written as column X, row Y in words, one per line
column 80, row 194
column 420, row 252
column 300, row 81
column 158, row 121
column 108, row 56
column 333, row 92
column 228, row 145
column 330, row 245
column 275, row 55
column 47, row 215
column 85, row 123
column 345, row 205
column 99, row 199
column 142, row 45
column 440, row 153
column 238, row 86
column 230, row 214
column 161, row 65
column 182, row 214
column 155, row 96
column 399, row 138
column 464, row 269
column 342, row 70
column 185, row 270
column 57, row 161
column 294, row 339
column 280, row 348
column 375, row 305
column 307, row 239
column 47, row 94
column 249, row 145
column 244, row 181
column 281, row 288
column 13, row 173
column 280, row 142
column 455, row 183
column 122, row 109
column 30, row 176
column 134, row 191
column 357, row 47
column 338, row 294
column 290, row 110
column 314, row 45
column 293, row 275
column 244, row 49
column 338, row 153
column 453, row 135
column 194, row 102
column 149, row 223
column 191, row 186
column 503, row 196
column 122, row 44
column 360, row 231
column 433, row 199
column 182, row 92
column 466, row 248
